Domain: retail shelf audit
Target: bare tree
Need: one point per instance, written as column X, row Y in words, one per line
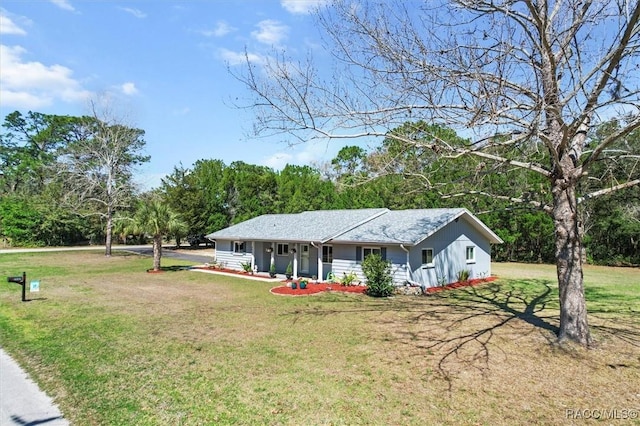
column 98, row 168
column 508, row 74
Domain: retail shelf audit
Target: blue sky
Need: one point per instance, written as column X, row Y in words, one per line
column 162, row 64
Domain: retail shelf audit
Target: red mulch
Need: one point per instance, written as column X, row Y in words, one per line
column 317, row 288
column 460, row 284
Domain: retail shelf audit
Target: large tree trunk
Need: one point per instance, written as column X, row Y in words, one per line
column 157, row 252
column 568, row 238
column 109, row 232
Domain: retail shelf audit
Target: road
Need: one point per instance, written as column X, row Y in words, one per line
column 200, row 255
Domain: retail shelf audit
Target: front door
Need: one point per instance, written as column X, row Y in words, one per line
column 304, row 258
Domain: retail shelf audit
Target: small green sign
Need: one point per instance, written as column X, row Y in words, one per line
column 35, row 286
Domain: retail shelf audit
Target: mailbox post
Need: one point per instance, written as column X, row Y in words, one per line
column 20, row 281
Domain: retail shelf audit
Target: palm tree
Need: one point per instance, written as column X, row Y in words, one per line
column 156, row 219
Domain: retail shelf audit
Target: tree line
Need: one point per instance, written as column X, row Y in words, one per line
column 70, row 180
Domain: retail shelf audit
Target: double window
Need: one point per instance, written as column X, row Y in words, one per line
column 282, row 249
column 366, row 251
column 363, row 252
column 239, row 247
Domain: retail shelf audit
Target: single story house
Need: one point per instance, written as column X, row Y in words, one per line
column 426, row 247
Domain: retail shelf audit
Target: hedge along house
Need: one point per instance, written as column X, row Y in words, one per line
column 426, row 247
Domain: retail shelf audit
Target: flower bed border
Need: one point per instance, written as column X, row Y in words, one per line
column 316, row 288
column 460, row 284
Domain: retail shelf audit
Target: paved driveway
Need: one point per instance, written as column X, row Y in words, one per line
column 195, row 255
column 192, row 255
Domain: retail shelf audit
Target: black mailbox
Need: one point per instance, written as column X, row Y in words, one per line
column 21, row 281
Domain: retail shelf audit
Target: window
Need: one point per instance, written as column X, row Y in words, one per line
column 427, row 257
column 282, row 249
column 366, row 251
column 238, row 247
column 327, row 254
column 471, row 254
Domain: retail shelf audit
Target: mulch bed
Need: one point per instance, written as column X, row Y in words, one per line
column 317, row 288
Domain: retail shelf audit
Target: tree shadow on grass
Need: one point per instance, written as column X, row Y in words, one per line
column 460, row 327
column 175, row 268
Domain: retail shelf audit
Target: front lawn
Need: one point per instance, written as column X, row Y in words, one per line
column 116, row 345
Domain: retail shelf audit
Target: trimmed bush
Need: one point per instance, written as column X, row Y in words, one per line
column 378, row 274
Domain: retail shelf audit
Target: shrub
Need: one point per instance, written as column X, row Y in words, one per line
column 463, row 275
column 378, row 274
column 246, row 266
column 348, row 279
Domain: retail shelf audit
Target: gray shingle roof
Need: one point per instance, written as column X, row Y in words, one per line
column 319, row 225
column 350, row 226
column 401, row 226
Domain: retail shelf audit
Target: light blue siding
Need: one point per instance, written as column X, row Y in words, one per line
column 226, row 257
column 449, row 248
column 344, row 262
column 450, row 232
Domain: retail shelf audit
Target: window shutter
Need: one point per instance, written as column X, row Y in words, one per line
column 231, row 246
column 383, row 253
column 358, row 254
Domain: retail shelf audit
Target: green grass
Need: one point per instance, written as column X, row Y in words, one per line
column 116, row 345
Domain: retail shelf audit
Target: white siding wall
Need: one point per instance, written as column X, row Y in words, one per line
column 449, row 246
column 344, row 262
column 226, row 256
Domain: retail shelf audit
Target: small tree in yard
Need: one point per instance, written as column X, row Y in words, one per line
column 378, row 274
column 156, row 219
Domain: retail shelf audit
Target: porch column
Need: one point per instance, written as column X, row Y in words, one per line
column 295, row 262
column 320, row 271
column 253, row 255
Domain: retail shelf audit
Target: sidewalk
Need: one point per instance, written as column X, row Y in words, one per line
column 21, row 401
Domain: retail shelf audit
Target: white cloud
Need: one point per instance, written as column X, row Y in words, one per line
column 63, row 4
column 129, row 88
column 270, row 32
column 135, row 12
column 305, row 154
column 238, row 58
column 33, row 85
column 278, row 161
column 221, row 29
column 7, row 26
column 301, row 7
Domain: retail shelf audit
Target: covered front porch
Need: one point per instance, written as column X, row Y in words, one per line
column 299, row 259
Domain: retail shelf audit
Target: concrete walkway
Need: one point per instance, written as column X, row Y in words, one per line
column 21, row 400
